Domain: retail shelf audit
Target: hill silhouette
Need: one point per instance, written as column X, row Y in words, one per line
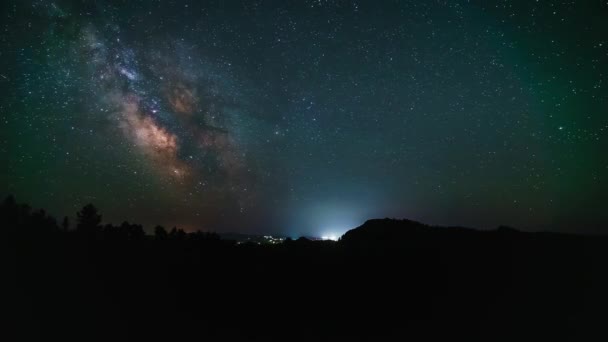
column 385, row 280
column 384, row 231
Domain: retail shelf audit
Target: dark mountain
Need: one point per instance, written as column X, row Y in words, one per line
column 385, row 231
column 385, row 280
column 400, row 234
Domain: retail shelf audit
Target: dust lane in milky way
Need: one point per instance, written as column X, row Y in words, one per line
column 146, row 110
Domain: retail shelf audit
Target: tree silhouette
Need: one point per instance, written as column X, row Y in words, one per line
column 177, row 234
column 160, row 233
column 136, row 232
column 88, row 218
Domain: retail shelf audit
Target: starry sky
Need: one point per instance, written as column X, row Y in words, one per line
column 308, row 117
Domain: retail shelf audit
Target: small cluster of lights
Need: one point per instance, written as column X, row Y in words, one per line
column 273, row 240
column 262, row 240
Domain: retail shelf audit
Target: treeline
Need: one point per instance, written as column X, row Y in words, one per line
column 385, row 280
column 20, row 218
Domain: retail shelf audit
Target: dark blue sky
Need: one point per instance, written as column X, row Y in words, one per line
column 308, row 117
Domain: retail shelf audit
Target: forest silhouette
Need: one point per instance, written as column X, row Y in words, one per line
column 385, row 280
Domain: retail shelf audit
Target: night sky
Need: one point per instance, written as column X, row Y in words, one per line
column 308, row 117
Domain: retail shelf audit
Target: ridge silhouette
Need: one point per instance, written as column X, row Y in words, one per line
column 384, row 280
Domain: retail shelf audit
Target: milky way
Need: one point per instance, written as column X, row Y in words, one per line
column 308, row 117
column 155, row 103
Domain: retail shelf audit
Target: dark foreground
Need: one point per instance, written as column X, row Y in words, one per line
column 386, row 280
